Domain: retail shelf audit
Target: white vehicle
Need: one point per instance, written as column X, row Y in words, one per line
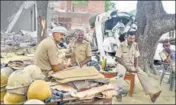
column 108, row 28
column 106, row 38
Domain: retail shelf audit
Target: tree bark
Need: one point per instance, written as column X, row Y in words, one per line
column 42, row 16
column 152, row 22
column 49, row 16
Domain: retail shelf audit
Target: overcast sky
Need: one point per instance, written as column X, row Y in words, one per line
column 127, row 6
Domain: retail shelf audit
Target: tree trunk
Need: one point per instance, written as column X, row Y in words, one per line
column 49, row 16
column 152, row 22
column 42, row 18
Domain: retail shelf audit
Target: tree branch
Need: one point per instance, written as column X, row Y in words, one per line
column 145, row 11
column 153, row 8
column 164, row 23
column 159, row 7
column 152, row 13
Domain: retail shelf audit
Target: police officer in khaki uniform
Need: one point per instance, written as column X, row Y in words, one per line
column 46, row 53
column 79, row 50
column 166, row 54
column 127, row 57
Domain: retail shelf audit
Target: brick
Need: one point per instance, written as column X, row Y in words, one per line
column 93, row 7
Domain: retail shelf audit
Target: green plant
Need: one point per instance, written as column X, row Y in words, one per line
column 82, row 2
column 109, row 5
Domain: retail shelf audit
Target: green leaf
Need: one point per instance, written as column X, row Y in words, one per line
column 109, row 5
column 82, row 2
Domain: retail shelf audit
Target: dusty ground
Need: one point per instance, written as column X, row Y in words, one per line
column 139, row 97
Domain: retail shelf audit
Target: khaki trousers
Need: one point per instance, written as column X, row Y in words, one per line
column 149, row 85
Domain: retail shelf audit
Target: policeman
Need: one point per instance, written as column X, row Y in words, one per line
column 166, row 54
column 127, row 56
column 46, row 53
column 79, row 50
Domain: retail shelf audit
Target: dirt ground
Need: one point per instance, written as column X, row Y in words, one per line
column 139, row 97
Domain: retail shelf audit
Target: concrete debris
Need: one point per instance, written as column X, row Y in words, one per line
column 18, row 41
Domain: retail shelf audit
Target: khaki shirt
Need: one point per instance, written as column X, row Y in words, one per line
column 80, row 50
column 128, row 54
column 46, row 54
column 163, row 54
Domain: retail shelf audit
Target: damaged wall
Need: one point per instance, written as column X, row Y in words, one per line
column 26, row 20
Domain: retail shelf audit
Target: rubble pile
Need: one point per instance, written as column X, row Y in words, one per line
column 13, row 41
